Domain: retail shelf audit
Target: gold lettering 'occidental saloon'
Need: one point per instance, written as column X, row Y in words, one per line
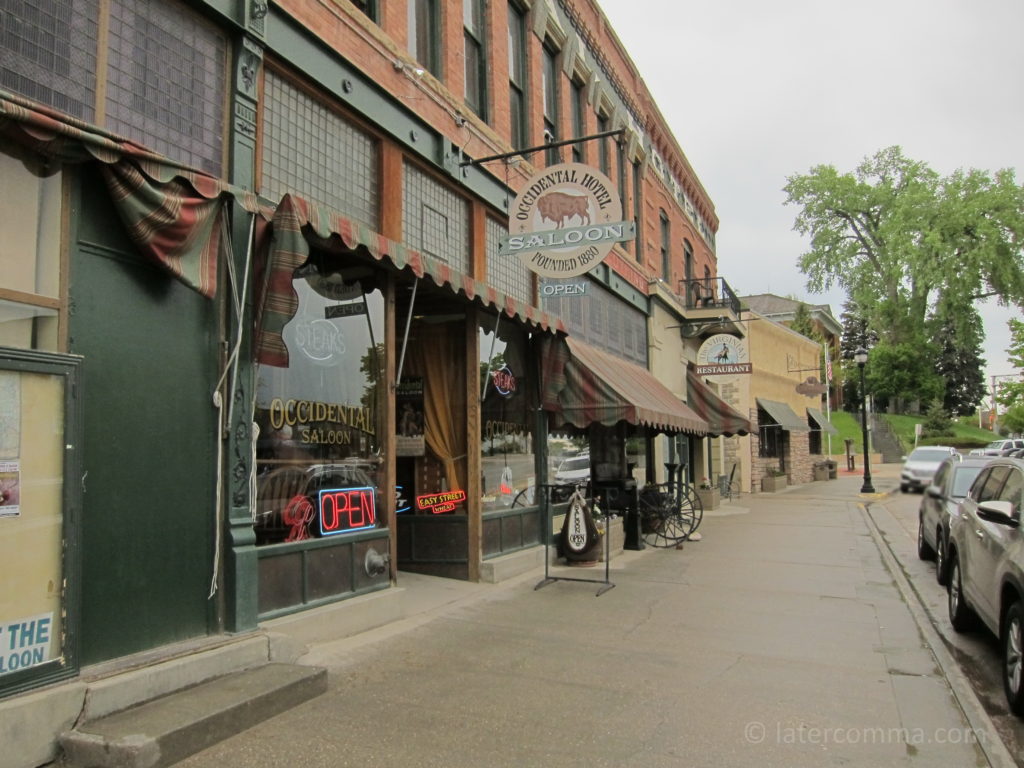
column 292, row 412
column 565, row 221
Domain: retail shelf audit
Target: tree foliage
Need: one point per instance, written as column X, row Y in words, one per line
column 1011, row 393
column 914, row 251
column 958, row 336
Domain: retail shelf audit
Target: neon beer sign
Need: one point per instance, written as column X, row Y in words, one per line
column 347, row 509
column 439, row 503
column 504, row 381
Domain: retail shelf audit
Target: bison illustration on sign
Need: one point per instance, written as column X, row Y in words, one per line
column 558, row 208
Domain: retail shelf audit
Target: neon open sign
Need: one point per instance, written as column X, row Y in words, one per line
column 347, row 509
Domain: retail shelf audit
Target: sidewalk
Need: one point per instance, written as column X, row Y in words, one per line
column 779, row 639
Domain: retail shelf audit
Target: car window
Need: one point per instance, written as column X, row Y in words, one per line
column 1012, row 488
column 962, row 479
column 990, row 490
column 941, row 472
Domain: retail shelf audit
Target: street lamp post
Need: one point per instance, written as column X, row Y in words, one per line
column 861, row 357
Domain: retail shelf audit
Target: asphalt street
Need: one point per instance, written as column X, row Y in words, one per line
column 790, row 635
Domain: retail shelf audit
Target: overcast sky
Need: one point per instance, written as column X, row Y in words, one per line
column 756, row 91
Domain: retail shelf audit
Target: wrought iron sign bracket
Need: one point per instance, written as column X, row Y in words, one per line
column 550, row 145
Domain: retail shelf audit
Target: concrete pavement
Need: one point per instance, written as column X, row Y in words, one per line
column 780, row 639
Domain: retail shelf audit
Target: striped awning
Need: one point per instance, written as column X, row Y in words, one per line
column 583, row 385
column 721, row 417
column 297, row 222
column 783, row 415
column 823, row 424
column 175, row 215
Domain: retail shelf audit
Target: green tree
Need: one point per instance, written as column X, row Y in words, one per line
column 958, row 337
column 897, row 237
column 1011, row 393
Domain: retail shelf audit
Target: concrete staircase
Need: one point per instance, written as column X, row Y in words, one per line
column 170, row 728
column 885, row 441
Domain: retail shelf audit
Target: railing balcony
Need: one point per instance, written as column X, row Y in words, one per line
column 709, row 293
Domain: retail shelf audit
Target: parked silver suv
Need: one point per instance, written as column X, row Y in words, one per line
column 986, row 566
column 999, row 448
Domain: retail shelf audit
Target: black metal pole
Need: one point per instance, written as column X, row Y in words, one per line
column 867, row 487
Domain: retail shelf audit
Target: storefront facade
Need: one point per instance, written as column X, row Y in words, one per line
column 292, row 360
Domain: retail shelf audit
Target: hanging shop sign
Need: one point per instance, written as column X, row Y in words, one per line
column 565, row 221
column 409, row 439
column 722, row 355
column 438, row 503
column 567, row 288
column 811, row 387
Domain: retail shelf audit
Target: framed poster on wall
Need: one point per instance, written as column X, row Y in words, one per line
column 39, row 506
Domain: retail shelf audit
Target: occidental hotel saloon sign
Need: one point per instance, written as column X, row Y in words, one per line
column 565, row 221
column 723, row 355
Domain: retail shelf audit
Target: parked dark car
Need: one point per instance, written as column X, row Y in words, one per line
column 941, row 500
column 986, row 566
column 919, row 467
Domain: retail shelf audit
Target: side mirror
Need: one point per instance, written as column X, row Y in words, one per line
column 999, row 512
column 934, row 491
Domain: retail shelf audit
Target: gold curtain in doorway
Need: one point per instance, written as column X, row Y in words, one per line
column 438, row 356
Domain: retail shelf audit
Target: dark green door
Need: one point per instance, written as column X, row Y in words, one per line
column 149, row 345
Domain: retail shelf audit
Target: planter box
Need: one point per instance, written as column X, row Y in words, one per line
column 771, row 484
column 618, row 539
column 710, row 498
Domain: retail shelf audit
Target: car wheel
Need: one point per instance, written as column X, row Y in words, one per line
column 904, row 488
column 924, row 550
column 960, row 614
column 941, row 569
column 1013, row 661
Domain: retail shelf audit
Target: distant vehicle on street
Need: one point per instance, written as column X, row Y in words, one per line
column 999, row 448
column 573, row 470
column 986, row 567
column 920, row 466
column 941, row 501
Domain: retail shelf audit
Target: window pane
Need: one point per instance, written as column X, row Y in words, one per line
column 307, row 149
column 166, row 84
column 319, row 457
column 48, row 52
column 28, row 327
column 30, row 212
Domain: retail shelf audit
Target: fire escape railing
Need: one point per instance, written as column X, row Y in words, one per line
column 709, row 293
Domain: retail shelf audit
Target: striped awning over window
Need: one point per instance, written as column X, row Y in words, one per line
column 823, row 424
column 583, row 385
column 175, row 215
column 297, row 222
column 721, row 417
column 783, row 415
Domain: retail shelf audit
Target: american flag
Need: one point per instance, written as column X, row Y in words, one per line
column 828, row 368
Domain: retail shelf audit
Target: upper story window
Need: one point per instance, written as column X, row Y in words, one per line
column 603, row 160
column 638, row 208
column 306, row 147
column 687, row 260
column 161, row 75
column 666, row 247
column 424, row 34
column 369, row 7
column 579, row 126
column 475, row 54
column 549, row 87
column 517, row 75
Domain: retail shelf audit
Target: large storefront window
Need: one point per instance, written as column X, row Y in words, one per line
column 319, row 458
column 30, row 215
column 506, row 418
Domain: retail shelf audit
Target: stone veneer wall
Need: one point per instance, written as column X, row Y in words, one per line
column 798, row 461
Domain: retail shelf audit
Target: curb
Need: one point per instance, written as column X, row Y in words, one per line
column 989, row 741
